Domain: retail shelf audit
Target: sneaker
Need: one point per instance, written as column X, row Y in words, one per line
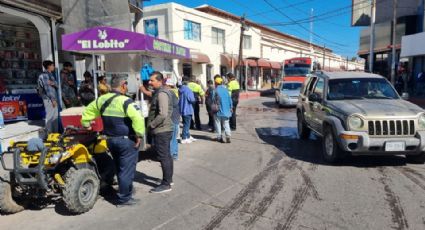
column 161, row 189
column 131, row 202
column 186, row 141
column 192, row 139
column 219, row 139
column 228, row 140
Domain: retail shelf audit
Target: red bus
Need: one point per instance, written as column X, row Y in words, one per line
column 296, row 69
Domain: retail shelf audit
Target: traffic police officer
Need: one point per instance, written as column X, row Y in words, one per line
column 234, row 89
column 199, row 94
column 124, row 126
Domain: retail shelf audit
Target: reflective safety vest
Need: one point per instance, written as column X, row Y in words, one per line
column 234, row 90
column 120, row 115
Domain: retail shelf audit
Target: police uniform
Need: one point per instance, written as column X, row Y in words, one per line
column 122, row 122
column 234, row 90
column 198, row 92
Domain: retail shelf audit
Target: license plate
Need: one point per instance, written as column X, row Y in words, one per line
column 395, row 146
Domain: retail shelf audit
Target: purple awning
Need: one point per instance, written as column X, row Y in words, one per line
column 106, row 40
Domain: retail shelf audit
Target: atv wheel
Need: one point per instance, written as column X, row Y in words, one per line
column 81, row 190
column 7, row 204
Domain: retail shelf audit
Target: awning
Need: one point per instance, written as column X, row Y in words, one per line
column 106, row 40
column 275, row 65
column 260, row 63
column 198, row 57
column 228, row 60
column 412, row 45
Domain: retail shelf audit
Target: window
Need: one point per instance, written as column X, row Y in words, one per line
column 217, row 36
column 319, row 88
column 247, row 42
column 192, row 30
column 151, row 27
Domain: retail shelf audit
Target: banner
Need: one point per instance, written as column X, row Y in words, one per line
column 26, row 106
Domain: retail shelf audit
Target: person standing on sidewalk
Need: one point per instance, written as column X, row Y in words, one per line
column 234, row 90
column 208, row 102
column 199, row 95
column 124, row 127
column 224, row 104
column 161, row 126
column 186, row 101
column 47, row 87
column 175, row 117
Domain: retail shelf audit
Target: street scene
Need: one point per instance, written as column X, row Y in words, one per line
column 212, row 114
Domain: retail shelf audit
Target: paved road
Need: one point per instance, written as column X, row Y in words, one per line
column 265, row 179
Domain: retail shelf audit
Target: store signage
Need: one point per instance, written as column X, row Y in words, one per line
column 106, row 39
column 22, row 107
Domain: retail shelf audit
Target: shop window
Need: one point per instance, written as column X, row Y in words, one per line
column 247, row 42
column 151, row 27
column 217, row 36
column 192, row 30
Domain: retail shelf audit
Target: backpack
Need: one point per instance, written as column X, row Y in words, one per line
column 40, row 86
column 215, row 105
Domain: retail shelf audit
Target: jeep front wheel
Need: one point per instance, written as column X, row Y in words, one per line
column 7, row 204
column 331, row 149
column 81, row 190
column 303, row 129
column 416, row 159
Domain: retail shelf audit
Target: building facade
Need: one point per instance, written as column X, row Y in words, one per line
column 213, row 36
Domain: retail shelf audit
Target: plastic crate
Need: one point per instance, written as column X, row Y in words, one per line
column 72, row 117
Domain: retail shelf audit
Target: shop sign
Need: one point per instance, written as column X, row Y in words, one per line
column 22, row 106
column 102, row 42
column 170, row 48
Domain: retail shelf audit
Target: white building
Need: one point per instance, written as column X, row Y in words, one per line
column 213, row 36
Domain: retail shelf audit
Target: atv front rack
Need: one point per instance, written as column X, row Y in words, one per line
column 27, row 176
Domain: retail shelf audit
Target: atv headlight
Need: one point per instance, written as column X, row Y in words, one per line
column 54, row 158
column 355, row 122
column 421, row 121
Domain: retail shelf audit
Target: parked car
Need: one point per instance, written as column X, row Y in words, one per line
column 287, row 93
column 360, row 114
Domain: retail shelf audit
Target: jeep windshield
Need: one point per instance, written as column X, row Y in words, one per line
column 360, row 88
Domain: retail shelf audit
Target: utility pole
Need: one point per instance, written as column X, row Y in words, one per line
column 324, row 56
column 393, row 72
column 346, row 67
column 372, row 35
column 240, row 59
column 311, row 34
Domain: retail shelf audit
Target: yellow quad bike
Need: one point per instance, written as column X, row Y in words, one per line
column 63, row 167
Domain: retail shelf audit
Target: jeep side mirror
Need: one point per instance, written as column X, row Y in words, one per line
column 314, row 97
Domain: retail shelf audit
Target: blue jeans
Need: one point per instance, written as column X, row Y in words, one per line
column 218, row 122
column 174, row 147
column 125, row 156
column 186, row 126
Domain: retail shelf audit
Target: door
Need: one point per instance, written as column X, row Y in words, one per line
column 317, row 112
column 306, row 108
column 187, row 70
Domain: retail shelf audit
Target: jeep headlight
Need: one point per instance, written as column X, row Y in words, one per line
column 421, row 121
column 285, row 96
column 355, row 122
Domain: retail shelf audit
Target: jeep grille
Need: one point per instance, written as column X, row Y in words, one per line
column 392, row 128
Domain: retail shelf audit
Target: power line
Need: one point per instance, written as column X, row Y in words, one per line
column 301, row 26
column 282, row 7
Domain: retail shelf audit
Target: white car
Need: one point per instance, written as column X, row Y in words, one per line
column 287, row 93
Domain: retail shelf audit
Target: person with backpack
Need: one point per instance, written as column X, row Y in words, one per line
column 124, row 128
column 208, row 102
column 47, row 89
column 222, row 107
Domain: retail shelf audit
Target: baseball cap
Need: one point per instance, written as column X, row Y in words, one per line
column 218, row 80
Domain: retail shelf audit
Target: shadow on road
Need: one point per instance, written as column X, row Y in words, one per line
column 286, row 140
column 142, row 178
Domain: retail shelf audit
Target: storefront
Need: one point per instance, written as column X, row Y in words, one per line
column 199, row 65
column 414, row 55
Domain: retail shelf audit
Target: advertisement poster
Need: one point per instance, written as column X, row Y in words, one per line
column 14, row 110
column 16, row 107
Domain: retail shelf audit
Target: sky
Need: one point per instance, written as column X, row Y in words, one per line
column 331, row 27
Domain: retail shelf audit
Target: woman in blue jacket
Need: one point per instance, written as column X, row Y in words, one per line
column 224, row 103
column 186, row 101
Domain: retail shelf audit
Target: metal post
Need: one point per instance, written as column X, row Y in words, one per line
column 372, row 35
column 94, row 66
column 56, row 57
column 324, row 56
column 393, row 58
